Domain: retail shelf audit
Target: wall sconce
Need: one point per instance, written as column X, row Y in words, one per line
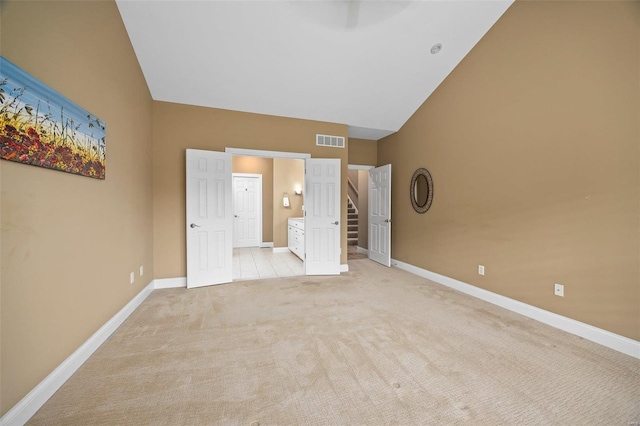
column 298, row 189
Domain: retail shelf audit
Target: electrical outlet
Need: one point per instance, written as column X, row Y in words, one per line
column 480, row 269
column 558, row 290
column 132, row 277
column 141, row 270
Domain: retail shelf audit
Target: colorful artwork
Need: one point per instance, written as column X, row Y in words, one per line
column 39, row 126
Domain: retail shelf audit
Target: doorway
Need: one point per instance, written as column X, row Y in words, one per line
column 282, row 179
column 271, row 257
column 209, row 224
column 358, row 211
column 369, row 226
column 321, row 192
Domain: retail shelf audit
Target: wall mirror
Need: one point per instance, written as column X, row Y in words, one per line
column 421, row 190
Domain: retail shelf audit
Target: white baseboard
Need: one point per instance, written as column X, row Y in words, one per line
column 170, row 283
column 603, row 337
column 281, row 249
column 265, row 245
column 181, row 282
column 27, row 407
column 362, row 250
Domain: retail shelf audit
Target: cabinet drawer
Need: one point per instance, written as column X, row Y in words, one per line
column 296, row 224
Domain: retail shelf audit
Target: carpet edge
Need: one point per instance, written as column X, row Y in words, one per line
column 606, row 338
column 20, row 413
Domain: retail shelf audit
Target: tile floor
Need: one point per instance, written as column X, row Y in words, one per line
column 254, row 263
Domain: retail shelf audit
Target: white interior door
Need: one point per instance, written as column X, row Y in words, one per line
column 209, row 218
column 322, row 216
column 380, row 214
column 247, row 216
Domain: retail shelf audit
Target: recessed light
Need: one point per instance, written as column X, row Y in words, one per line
column 436, row 48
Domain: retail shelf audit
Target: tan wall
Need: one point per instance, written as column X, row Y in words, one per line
column 363, row 209
column 353, row 176
column 286, row 174
column 216, row 129
column 69, row 242
column 363, row 152
column 532, row 142
column 264, row 167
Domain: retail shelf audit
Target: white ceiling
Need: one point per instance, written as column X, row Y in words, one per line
column 366, row 64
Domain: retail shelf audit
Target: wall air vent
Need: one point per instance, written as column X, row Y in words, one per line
column 327, row 140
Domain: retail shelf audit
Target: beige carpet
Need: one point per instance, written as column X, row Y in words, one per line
column 375, row 346
column 352, row 253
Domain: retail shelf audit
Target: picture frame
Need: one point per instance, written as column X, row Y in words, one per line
column 41, row 127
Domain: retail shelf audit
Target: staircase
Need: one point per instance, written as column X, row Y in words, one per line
column 352, row 224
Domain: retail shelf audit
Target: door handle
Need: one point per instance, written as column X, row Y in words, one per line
column 235, row 215
column 335, row 223
column 387, row 220
column 193, row 225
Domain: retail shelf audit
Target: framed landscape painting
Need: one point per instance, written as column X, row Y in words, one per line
column 39, row 126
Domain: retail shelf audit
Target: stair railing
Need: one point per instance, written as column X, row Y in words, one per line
column 353, row 205
column 352, row 194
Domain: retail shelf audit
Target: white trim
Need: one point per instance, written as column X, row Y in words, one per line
column 359, row 167
column 251, row 175
column 259, row 204
column 605, row 338
column 266, row 154
column 265, row 245
column 20, row 413
column 362, row 250
column 344, row 267
column 177, row 282
column 281, row 249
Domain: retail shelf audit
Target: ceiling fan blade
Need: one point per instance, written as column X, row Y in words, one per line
column 353, row 13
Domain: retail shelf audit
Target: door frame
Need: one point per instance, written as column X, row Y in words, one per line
column 266, row 154
column 280, row 154
column 233, row 201
column 261, row 153
column 360, row 167
column 244, row 152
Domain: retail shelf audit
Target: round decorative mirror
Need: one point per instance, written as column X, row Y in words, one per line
column 421, row 190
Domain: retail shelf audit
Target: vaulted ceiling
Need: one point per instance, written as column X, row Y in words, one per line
column 366, row 64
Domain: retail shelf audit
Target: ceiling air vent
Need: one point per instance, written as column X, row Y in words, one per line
column 327, row 140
